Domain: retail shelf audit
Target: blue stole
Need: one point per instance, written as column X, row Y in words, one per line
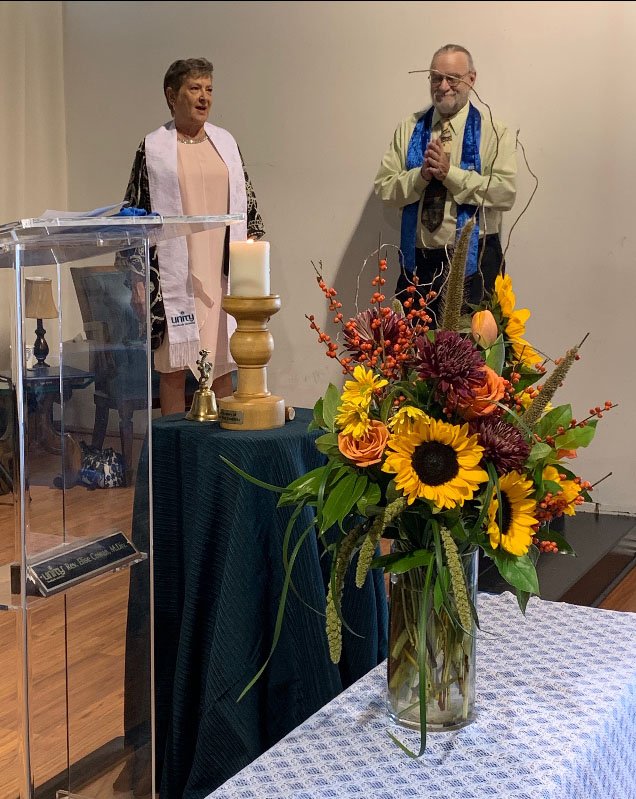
column 470, row 160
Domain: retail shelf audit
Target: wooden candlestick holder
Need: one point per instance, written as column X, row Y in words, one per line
column 252, row 406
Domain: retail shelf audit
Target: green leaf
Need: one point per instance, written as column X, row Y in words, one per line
column 330, row 467
column 518, row 571
column 370, row 498
column 550, row 423
column 538, row 453
column 387, row 402
column 440, row 591
column 330, row 404
column 328, row 444
column 576, row 437
column 495, row 355
column 392, row 493
column 281, row 608
column 527, row 377
column 533, row 554
column 251, row 479
column 342, row 498
column 304, row 487
column 318, row 421
column 399, row 563
column 546, row 534
column 383, row 561
column 522, row 600
column 551, row 486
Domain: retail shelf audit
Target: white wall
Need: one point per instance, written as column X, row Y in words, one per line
column 32, row 154
column 313, row 91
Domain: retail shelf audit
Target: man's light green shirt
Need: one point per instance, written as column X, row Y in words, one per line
column 494, row 190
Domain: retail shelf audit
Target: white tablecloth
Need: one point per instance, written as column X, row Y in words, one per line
column 556, row 719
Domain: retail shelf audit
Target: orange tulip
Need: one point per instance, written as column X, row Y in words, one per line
column 484, row 397
column 484, row 328
column 367, row 450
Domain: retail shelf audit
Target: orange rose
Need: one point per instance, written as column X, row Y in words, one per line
column 484, row 328
column 366, row 450
column 484, row 397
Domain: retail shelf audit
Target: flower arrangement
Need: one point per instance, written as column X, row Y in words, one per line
column 445, row 441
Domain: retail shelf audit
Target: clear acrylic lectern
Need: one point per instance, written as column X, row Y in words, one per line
column 76, row 617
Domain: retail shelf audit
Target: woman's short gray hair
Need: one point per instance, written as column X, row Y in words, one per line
column 182, row 69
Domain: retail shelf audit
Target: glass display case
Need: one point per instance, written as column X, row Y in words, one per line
column 76, row 402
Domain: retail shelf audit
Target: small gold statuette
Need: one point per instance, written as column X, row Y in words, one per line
column 204, row 402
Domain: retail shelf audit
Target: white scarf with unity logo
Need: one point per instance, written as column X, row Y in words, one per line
column 176, row 287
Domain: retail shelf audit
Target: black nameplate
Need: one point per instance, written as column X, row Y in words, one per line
column 66, row 566
column 231, row 417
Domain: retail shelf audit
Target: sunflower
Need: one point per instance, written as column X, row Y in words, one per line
column 515, row 322
column 402, row 420
column 505, row 295
column 566, row 500
column 435, row 461
column 517, row 511
column 352, row 419
column 360, row 390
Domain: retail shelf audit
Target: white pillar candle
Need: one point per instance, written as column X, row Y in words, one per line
column 249, row 268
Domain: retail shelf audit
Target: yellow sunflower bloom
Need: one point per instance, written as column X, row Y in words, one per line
column 505, row 295
column 402, row 420
column 361, row 388
column 435, row 461
column 352, row 419
column 515, row 322
column 518, row 518
column 570, row 489
column 515, row 330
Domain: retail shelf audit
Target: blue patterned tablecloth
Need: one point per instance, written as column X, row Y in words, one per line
column 556, row 705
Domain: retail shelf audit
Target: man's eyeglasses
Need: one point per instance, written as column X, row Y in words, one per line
column 453, row 81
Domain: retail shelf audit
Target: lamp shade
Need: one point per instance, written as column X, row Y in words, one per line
column 38, row 298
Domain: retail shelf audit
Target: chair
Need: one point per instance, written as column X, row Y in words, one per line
column 117, row 352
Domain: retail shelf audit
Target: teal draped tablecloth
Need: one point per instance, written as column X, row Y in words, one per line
column 218, row 578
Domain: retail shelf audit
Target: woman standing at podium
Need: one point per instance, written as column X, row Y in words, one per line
column 190, row 167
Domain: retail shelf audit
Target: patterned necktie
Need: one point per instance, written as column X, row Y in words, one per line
column 435, row 194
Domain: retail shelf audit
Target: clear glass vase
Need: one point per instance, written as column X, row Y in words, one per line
column 450, row 653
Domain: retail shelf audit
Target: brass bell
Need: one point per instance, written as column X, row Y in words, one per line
column 203, row 407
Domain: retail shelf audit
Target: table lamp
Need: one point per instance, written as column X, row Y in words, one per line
column 39, row 304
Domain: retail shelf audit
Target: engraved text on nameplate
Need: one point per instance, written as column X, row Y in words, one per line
column 63, row 567
column 231, row 417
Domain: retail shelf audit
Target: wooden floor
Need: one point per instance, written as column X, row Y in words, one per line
column 85, row 628
column 76, row 642
column 623, row 597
